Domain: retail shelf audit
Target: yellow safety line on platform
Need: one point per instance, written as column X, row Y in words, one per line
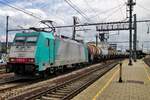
column 146, row 73
column 106, row 85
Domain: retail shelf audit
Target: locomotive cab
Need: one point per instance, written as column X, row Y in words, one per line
column 31, row 53
column 39, row 53
column 21, row 55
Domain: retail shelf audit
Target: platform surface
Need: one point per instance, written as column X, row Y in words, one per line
column 135, row 85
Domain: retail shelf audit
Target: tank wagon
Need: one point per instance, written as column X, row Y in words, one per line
column 103, row 52
column 94, row 52
column 42, row 53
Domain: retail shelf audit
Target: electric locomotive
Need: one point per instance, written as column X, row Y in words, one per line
column 41, row 53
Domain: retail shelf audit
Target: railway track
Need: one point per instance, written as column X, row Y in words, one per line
column 2, row 71
column 14, row 88
column 2, row 68
column 10, row 86
column 8, row 78
column 67, row 89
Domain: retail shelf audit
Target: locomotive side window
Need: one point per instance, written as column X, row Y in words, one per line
column 31, row 40
column 19, row 38
column 47, row 42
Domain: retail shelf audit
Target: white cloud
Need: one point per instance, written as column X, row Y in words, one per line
column 60, row 12
column 3, row 37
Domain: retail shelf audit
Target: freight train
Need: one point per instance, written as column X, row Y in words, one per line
column 42, row 53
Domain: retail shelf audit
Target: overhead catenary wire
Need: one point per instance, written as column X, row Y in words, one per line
column 31, row 14
column 92, row 9
column 76, row 9
column 87, row 3
column 120, row 6
column 21, row 10
column 115, row 11
column 87, row 24
column 39, row 17
column 121, row 12
column 12, row 20
column 121, row 9
column 83, row 14
column 108, row 10
column 144, row 8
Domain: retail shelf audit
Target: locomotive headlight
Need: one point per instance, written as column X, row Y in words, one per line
column 12, row 59
column 31, row 60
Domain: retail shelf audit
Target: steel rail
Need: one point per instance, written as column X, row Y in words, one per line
column 44, row 90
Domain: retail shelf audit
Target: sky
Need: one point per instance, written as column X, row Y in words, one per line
column 92, row 11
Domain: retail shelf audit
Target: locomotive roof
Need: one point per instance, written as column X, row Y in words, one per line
column 48, row 35
column 28, row 34
column 45, row 34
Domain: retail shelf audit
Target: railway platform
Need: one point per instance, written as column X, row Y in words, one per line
column 135, row 85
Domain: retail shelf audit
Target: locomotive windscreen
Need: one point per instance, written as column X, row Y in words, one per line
column 19, row 40
column 25, row 40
